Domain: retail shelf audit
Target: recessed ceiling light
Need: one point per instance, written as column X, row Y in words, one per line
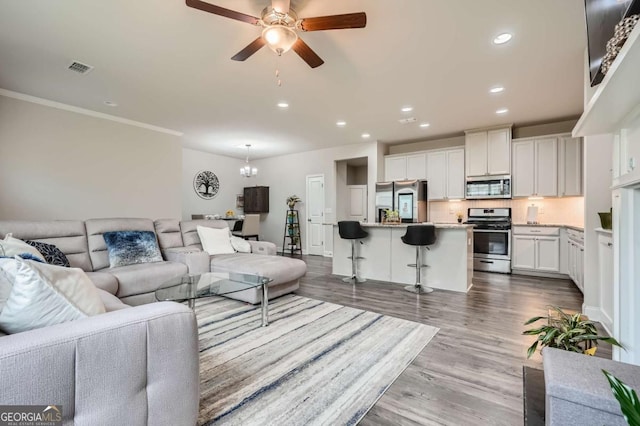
column 502, row 111
column 283, row 105
column 407, row 109
column 496, row 89
column 341, row 123
column 110, row 103
column 424, row 125
column 366, row 136
column 502, row 38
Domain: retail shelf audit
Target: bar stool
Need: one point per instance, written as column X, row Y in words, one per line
column 419, row 236
column 351, row 230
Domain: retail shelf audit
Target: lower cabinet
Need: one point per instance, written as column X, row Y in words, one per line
column 536, row 249
column 576, row 258
column 605, row 259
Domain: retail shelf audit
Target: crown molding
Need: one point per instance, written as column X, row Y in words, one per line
column 83, row 111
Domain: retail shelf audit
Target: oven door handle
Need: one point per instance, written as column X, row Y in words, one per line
column 502, row 231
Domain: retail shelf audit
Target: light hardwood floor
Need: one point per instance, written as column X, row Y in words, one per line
column 471, row 372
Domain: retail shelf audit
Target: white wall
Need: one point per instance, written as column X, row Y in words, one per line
column 597, row 198
column 286, row 175
column 57, row 164
column 231, row 183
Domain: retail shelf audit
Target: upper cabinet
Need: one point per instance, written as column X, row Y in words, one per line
column 569, row 166
column 547, row 166
column 488, row 152
column 445, row 174
column 535, row 168
column 401, row 167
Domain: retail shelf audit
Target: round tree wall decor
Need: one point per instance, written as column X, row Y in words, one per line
column 206, row 184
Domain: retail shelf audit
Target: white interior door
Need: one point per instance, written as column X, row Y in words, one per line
column 357, row 202
column 315, row 215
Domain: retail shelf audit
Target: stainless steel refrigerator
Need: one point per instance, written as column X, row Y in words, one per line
column 408, row 197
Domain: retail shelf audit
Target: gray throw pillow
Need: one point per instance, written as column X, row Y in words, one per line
column 131, row 247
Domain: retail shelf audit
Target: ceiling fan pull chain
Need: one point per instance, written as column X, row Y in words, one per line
column 278, row 81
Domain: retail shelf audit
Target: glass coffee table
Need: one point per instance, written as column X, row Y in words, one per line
column 192, row 287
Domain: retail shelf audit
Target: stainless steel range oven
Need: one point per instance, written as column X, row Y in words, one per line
column 491, row 239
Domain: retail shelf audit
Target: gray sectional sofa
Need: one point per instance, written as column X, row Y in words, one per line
column 126, row 366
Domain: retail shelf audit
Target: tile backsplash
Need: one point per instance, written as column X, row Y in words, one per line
column 562, row 211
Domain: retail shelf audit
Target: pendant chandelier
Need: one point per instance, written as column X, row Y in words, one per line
column 248, row 171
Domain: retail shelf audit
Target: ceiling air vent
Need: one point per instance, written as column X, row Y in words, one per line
column 407, row 120
column 79, row 67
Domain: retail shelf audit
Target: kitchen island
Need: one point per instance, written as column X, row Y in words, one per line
column 386, row 257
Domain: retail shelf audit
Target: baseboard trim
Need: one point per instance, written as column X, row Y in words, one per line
column 595, row 313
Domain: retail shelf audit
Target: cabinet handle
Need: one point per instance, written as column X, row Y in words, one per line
column 536, row 230
column 609, row 244
column 486, row 261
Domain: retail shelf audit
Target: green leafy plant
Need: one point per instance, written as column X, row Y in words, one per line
column 292, row 200
column 569, row 332
column 627, row 398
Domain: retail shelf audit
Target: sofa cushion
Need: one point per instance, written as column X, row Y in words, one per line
column 44, row 295
column 215, row 241
column 145, row 277
column 68, row 235
column 104, row 281
column 97, row 227
column 11, row 246
column 280, row 269
column 168, row 232
column 131, row 247
column 52, row 254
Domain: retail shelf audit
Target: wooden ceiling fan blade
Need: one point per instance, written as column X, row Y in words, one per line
column 252, row 48
column 309, row 56
column 334, row 22
column 221, row 11
column 281, row 6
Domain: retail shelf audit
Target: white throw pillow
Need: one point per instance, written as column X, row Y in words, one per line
column 43, row 295
column 215, row 241
column 240, row 245
column 11, row 246
column 5, row 281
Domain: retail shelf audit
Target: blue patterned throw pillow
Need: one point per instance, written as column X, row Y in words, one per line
column 131, row 247
column 52, row 254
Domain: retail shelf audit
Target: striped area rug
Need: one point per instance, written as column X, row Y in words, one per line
column 317, row 363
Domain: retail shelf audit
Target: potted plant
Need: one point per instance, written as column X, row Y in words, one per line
column 627, row 398
column 573, row 333
column 292, row 200
column 459, row 216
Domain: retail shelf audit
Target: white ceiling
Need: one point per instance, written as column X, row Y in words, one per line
column 168, row 65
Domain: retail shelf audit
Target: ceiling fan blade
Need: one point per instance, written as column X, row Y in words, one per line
column 309, row 56
column 281, row 6
column 221, row 11
column 249, row 50
column 334, row 22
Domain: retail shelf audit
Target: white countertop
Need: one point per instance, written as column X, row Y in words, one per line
column 404, row 225
column 551, row 225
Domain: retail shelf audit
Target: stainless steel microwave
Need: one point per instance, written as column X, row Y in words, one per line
column 488, row 187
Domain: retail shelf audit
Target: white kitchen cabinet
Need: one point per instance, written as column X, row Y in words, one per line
column 401, row 167
column 455, row 174
column 416, row 166
column 569, row 166
column 524, row 252
column 395, row 168
column 535, row 168
column 488, row 152
column 499, row 152
column 576, row 257
column 536, row 249
column 548, row 254
column 445, row 174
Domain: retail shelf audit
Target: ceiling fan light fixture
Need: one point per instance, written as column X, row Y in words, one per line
column 279, row 38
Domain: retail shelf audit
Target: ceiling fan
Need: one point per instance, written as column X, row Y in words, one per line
column 281, row 23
